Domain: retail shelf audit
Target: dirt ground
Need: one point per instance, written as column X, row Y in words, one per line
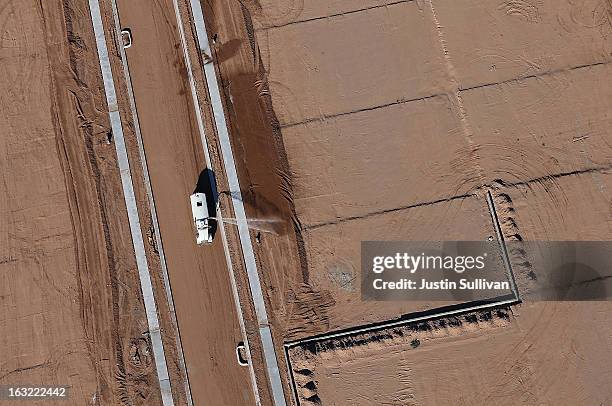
column 548, row 353
column 573, row 207
column 390, row 120
column 351, row 120
column 72, row 311
column 334, row 259
column 544, row 353
column 416, row 115
column 398, row 121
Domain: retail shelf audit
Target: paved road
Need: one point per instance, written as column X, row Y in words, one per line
column 200, row 281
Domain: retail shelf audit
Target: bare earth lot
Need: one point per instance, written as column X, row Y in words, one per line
column 335, row 251
column 390, row 120
column 372, row 124
column 351, row 120
column 546, row 354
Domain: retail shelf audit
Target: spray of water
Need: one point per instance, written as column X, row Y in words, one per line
column 272, row 226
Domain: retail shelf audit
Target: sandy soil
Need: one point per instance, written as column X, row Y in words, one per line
column 336, row 184
column 385, row 121
column 560, row 124
column 350, row 120
column 273, row 13
column 334, row 259
column 547, row 353
column 523, row 38
column 576, row 207
column 570, row 207
column 328, row 75
column 399, row 120
column 71, row 313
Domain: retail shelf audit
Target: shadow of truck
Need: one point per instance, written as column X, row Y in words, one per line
column 207, row 185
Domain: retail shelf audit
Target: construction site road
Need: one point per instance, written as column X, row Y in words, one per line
column 201, row 286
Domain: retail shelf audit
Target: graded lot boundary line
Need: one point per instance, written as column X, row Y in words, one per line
column 132, row 210
column 330, row 16
column 269, row 352
column 427, row 315
column 219, row 215
column 153, row 210
column 519, row 79
column 502, row 244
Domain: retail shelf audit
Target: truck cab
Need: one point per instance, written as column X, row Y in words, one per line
column 201, row 218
